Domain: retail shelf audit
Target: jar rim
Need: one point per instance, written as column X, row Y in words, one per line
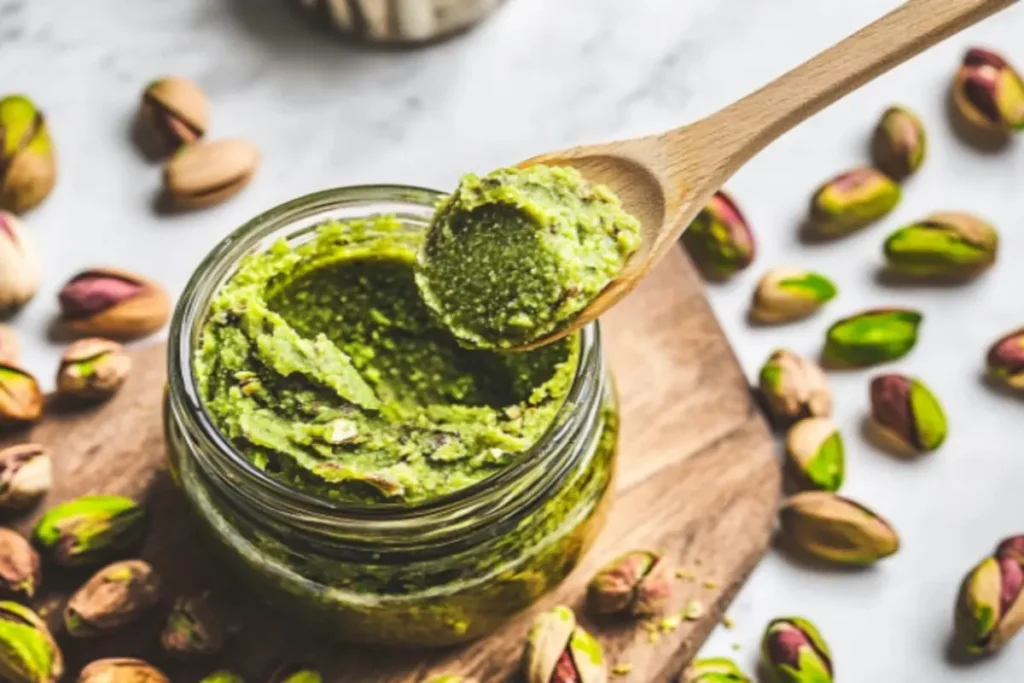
column 294, row 219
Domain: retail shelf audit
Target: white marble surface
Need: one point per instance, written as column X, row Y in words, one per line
column 543, row 74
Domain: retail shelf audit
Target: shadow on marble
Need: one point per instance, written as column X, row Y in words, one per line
column 887, row 277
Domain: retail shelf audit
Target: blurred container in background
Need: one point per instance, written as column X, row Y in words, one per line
column 399, row 22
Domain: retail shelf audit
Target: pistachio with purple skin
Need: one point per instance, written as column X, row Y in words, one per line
column 1005, row 360
column 636, row 582
column 794, row 388
column 196, row 626
column 793, row 651
column 28, row 165
column 990, row 607
column 20, row 567
column 173, row 112
column 870, row 337
column 719, row 239
column 900, row 143
column 28, row 652
column 25, row 475
column 558, row 650
column 121, row 670
column 714, row 670
column 988, row 92
column 21, row 399
column 815, row 453
column 90, row 529
column 907, row 413
column 10, row 347
column 20, row 270
column 853, row 200
column 117, row 595
column 115, row 303
column 93, row 369
column 836, row 529
column 786, row 294
column 948, row 245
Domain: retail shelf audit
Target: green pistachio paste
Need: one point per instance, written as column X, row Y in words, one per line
column 324, row 368
column 514, row 255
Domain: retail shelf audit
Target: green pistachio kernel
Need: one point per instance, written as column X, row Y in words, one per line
column 872, row 336
column 90, row 529
column 944, row 245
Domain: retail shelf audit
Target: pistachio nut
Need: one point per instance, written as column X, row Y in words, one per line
column 990, row 607
column 196, row 626
column 20, row 568
column 786, row 294
column 853, row 200
column 116, row 595
column 28, row 652
column 988, row 92
column 21, row 400
column 223, row 676
column 449, row 678
column 636, row 582
column 93, row 369
column 793, row 651
column 873, row 336
column 25, row 475
column 121, row 670
column 836, row 529
column 90, row 529
column 296, row 673
column 719, row 239
column 28, row 164
column 1005, row 360
column 944, row 245
column 907, row 413
column 20, row 271
column 207, row 173
column 173, row 112
column 559, row 651
column 10, row 347
column 816, row 456
column 109, row 302
column 900, row 143
column 794, row 388
column 714, row 670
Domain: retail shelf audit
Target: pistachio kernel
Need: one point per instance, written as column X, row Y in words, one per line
column 637, row 582
column 786, row 294
column 988, row 92
column 207, row 173
column 21, row 400
column 871, row 337
column 28, row 166
column 900, row 143
column 117, row 595
column 946, row 245
column 816, row 455
column 110, row 302
column 20, row 273
column 794, row 388
column 173, row 112
column 719, row 240
column 853, row 200
column 90, row 529
column 836, row 529
column 908, row 413
column 20, row 567
column 793, row 651
column 25, row 475
column 93, row 369
column 121, row 669
column 1005, row 360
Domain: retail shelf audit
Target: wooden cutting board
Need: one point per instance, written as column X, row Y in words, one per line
column 698, row 479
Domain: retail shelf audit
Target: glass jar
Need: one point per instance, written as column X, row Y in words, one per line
column 428, row 574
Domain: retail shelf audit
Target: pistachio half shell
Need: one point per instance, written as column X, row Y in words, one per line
column 853, row 200
column 111, row 302
column 173, row 112
column 207, row 173
column 990, row 607
column 636, row 582
column 816, row 455
column 794, row 388
column 25, row 475
column 1005, row 360
column 719, row 240
column 786, row 294
column 121, row 670
column 988, row 92
column 20, row 271
column 20, row 567
column 90, row 529
column 944, row 245
column 900, row 143
column 93, row 369
column 28, row 652
column 21, row 400
column 714, row 670
column 873, row 336
column 908, row 413
column 558, row 650
column 793, row 651
column 836, row 529
column 28, row 164
column 115, row 596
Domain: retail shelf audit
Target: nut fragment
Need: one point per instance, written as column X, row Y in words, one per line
column 121, row 670
column 900, row 143
column 10, row 347
column 794, row 388
column 207, row 173
column 25, row 475
column 945, row 245
column 21, row 400
column 836, row 529
column 115, row 596
column 816, row 456
column 870, row 337
column 28, row 166
column 90, row 529
column 173, row 112
column 786, row 294
column 296, row 673
column 714, row 670
column 28, row 652
column 853, row 200
column 908, row 413
column 20, row 271
column 93, row 369
column 196, row 626
column 636, row 582
column 990, row 607
column 793, row 651
column 20, row 568
column 989, row 93
column 719, row 239
column 559, row 651
column 110, row 302
column 1005, row 360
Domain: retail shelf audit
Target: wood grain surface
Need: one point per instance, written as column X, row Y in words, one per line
column 698, row 479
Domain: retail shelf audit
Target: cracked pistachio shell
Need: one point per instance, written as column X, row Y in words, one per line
column 90, row 529
column 559, row 651
column 21, row 400
column 195, row 626
column 944, row 245
column 173, row 112
column 719, row 240
column 25, row 475
column 815, row 450
column 28, row 165
column 296, row 673
column 988, row 92
column 223, row 677
column 908, row 412
column 121, row 670
column 870, row 337
column 636, row 582
column 1005, row 360
column 794, row 387
column 793, row 651
column 115, row 303
column 853, row 200
column 786, row 294
column 10, row 347
column 836, row 529
column 990, row 607
column 20, row 270
column 714, row 670
column 207, row 173
column 900, row 143
column 20, row 567
column 93, row 369
column 117, row 595
column 28, row 652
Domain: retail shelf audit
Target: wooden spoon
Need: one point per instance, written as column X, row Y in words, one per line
column 665, row 180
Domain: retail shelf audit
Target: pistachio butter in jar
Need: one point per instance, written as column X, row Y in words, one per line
column 398, row 21
column 350, row 461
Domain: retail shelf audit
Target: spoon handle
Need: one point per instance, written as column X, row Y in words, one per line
column 744, row 128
